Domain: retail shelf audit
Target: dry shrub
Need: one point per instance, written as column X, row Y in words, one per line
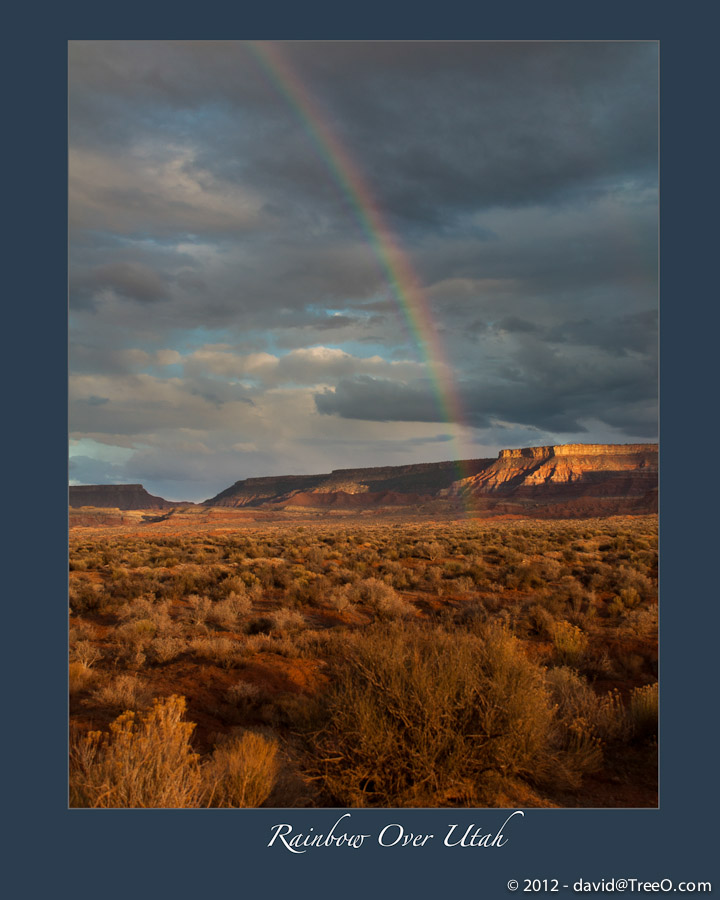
column 164, row 624
column 198, row 609
column 462, row 585
column 259, row 643
column 81, row 630
column 603, row 714
column 643, row 622
column 144, row 618
column 283, row 645
column 616, row 607
column 382, row 599
column 286, row 646
column 86, row 653
column 393, row 607
column 242, row 771
column 316, row 644
column 234, row 585
column 582, row 752
column 541, row 620
column 308, row 589
column 586, row 720
column 629, row 597
column 80, row 677
column 429, row 550
column 221, row 651
column 135, row 632
column 339, row 599
column 227, row 612
column 611, row 721
column 144, row 762
column 131, row 640
column 85, row 596
column 139, row 608
column 633, row 586
column 165, row 649
column 571, row 693
column 123, row 692
column 415, row 712
column 643, row 711
column 550, row 568
column 570, row 643
column 287, row 620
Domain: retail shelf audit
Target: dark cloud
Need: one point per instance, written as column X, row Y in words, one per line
column 542, row 392
column 516, row 325
column 379, row 400
column 636, row 332
column 331, row 323
column 440, row 129
column 216, row 391
column 133, row 281
column 491, row 124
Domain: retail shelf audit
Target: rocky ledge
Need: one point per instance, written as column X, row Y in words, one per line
column 116, row 496
column 562, row 479
column 567, row 471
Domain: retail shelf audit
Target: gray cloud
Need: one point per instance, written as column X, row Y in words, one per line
column 441, row 129
column 548, row 393
column 134, row 281
column 636, row 332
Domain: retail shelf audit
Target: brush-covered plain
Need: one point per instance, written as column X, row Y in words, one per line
column 403, row 664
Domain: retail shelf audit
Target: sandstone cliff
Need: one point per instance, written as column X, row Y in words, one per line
column 381, row 486
column 117, row 496
column 566, row 479
column 563, row 472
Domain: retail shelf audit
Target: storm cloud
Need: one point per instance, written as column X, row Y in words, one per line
column 234, row 310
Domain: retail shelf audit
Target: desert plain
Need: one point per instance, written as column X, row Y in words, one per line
column 417, row 636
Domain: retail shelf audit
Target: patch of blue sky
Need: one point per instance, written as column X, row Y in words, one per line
column 185, row 341
column 361, row 349
column 194, row 338
column 105, row 452
column 354, row 311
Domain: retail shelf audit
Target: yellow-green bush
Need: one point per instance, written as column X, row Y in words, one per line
column 242, row 771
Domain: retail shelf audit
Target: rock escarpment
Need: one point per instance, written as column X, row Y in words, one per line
column 116, row 496
column 565, row 472
column 566, row 480
column 381, row 486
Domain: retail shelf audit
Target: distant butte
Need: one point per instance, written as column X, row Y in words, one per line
column 564, row 480
column 607, row 478
column 117, row 496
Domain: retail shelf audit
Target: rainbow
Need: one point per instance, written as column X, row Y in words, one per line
column 394, row 261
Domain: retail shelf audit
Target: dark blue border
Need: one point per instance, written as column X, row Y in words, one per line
column 184, row 854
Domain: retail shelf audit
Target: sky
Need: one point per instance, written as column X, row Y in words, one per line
column 293, row 257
